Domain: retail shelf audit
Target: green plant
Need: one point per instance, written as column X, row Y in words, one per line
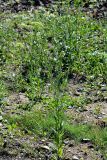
column 95, row 134
column 97, row 110
column 45, row 48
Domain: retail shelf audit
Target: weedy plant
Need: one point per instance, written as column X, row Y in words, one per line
column 47, row 47
column 59, row 81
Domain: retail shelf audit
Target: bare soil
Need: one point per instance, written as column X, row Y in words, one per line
column 22, row 146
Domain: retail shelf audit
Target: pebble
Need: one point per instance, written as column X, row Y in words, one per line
column 77, row 94
column 80, row 89
column 45, row 147
column 69, row 143
column 99, row 117
column 1, row 125
column 105, row 98
column 66, row 142
column 103, row 113
column 103, row 89
column 85, row 140
column 103, row 85
column 70, row 107
column 75, row 158
column 1, row 118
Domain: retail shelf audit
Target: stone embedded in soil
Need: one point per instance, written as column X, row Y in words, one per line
column 80, row 89
column 77, row 93
column 105, row 98
column 45, row 147
column 103, row 89
column 85, row 140
column 71, row 107
column 75, row 158
column 70, row 143
column 1, row 125
column 1, row 118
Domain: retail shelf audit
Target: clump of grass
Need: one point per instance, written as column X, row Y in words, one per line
column 45, row 125
column 97, row 135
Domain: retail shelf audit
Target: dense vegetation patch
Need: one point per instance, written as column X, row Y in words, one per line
column 35, row 45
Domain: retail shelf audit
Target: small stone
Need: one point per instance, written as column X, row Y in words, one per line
column 69, row 150
column 103, row 89
column 103, row 113
column 43, row 140
column 82, row 109
column 75, row 158
column 85, row 140
column 66, row 142
column 99, row 117
column 85, row 122
column 70, row 107
column 103, row 85
column 11, row 136
column 1, row 125
column 77, row 94
column 45, row 147
column 80, row 89
column 1, row 118
column 105, row 98
column 69, row 143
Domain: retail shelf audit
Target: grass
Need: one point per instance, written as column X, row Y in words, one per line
column 98, row 136
column 44, row 125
